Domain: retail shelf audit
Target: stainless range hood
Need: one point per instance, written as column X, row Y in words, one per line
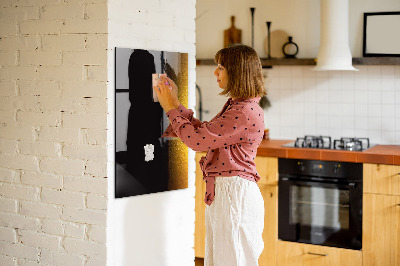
column 334, row 51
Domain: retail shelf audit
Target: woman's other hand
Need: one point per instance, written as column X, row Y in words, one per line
column 164, row 91
column 174, row 91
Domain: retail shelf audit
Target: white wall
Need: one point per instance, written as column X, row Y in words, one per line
column 154, row 229
column 338, row 104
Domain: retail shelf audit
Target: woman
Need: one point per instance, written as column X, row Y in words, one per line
column 235, row 207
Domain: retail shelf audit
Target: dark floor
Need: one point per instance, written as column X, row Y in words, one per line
column 199, row 262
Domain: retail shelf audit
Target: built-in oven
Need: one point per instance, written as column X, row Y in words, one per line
column 320, row 202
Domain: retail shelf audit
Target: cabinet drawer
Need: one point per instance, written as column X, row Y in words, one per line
column 381, row 179
column 293, row 254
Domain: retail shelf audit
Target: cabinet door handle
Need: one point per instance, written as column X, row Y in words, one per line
column 318, row 254
column 398, row 204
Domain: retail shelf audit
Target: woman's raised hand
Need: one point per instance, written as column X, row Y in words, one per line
column 174, row 90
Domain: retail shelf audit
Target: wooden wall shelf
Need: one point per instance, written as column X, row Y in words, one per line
column 312, row 61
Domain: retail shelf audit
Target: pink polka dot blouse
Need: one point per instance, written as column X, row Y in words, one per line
column 231, row 139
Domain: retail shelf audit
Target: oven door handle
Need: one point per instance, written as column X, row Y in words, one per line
column 329, row 184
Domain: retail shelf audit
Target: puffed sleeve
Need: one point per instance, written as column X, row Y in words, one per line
column 187, row 113
column 225, row 130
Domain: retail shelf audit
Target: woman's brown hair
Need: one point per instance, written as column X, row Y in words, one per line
column 245, row 78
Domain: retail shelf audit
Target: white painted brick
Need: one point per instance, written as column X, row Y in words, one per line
column 96, row 73
column 75, row 230
column 184, row 23
column 86, row 184
column 84, row 247
column 39, row 58
column 63, row 197
column 53, row 227
column 89, row 57
column 94, row 201
column 18, row 191
column 96, row 41
column 7, row 117
column 62, row 166
column 86, row 1
column 84, row 26
column 60, row 73
column 58, row 134
column 18, row 161
column 41, row 179
column 34, row 2
column 21, row 102
column 25, row 262
column 98, row 121
column 87, row 88
column 40, row 148
column 7, row 175
column 85, row 152
column 61, row 259
column 7, row 88
column 69, row 42
column 160, row 19
column 100, row 260
column 40, row 27
column 64, row 104
column 8, row 58
column 35, row 239
column 84, row 216
column 19, row 250
column 62, row 12
column 19, row 221
column 39, row 87
column 97, row 234
column 17, row 132
column 95, row 136
column 38, row 209
column 174, row 8
column 18, row 72
column 19, row 43
column 95, row 168
column 8, row 146
column 96, row 11
column 8, row 205
column 8, row 261
column 18, row 13
column 97, row 105
column 8, row 234
column 39, row 118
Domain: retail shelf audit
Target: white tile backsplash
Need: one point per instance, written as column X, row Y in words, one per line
column 364, row 103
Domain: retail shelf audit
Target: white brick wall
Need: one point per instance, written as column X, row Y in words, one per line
column 53, row 107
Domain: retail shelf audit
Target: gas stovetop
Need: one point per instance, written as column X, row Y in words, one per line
column 325, row 142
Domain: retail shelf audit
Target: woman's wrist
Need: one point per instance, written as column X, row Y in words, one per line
column 176, row 104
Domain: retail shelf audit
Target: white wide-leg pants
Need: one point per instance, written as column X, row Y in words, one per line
column 234, row 223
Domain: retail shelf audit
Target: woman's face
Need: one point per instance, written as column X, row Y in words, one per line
column 222, row 76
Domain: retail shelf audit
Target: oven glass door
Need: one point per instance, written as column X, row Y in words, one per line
column 321, row 213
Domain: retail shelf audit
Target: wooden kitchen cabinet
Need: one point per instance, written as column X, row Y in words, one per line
column 298, row 254
column 381, row 230
column 381, row 179
column 270, row 233
column 200, row 207
column 381, row 215
column 267, row 168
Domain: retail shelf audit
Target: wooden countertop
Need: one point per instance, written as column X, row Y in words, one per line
column 379, row 154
